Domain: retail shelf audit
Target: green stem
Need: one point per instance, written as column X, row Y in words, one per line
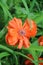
column 14, row 52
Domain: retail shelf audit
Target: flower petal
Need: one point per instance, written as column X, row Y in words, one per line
column 12, row 24
column 40, row 63
column 27, row 62
column 15, row 23
column 33, row 29
column 26, row 27
column 12, row 40
column 26, row 42
column 12, row 37
column 12, row 32
column 20, row 44
column 18, row 23
column 40, row 40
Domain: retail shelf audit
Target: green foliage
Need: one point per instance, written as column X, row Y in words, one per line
column 32, row 9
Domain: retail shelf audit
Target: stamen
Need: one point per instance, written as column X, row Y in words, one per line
column 22, row 32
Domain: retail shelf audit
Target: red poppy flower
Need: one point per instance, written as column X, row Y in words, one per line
column 19, row 34
column 40, row 40
column 28, row 62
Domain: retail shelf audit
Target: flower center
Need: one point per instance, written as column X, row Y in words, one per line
column 22, row 32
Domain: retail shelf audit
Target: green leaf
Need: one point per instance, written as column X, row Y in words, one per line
column 37, row 4
column 8, row 13
column 10, row 2
column 25, row 4
column 35, row 43
column 4, row 1
column 14, row 52
column 4, row 10
column 2, row 32
column 39, row 17
column 32, row 5
column 34, row 54
column 36, row 48
column 4, row 54
column 0, row 63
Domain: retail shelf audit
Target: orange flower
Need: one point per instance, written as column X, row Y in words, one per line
column 40, row 40
column 28, row 62
column 33, row 27
column 18, row 33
